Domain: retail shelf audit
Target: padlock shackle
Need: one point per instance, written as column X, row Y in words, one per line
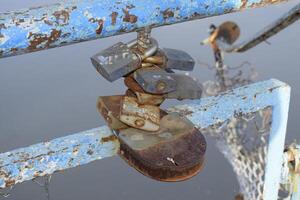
column 132, row 43
column 148, row 52
column 152, row 50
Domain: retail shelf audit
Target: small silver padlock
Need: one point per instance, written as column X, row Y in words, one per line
column 177, row 59
column 155, row 80
column 120, row 59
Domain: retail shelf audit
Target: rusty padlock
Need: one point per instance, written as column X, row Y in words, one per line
column 109, row 107
column 143, row 97
column 174, row 153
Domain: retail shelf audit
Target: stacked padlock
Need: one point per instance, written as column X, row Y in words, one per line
column 164, row 146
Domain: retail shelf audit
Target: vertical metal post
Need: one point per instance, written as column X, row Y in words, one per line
column 276, row 145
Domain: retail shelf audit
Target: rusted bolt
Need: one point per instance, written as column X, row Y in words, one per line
column 139, row 123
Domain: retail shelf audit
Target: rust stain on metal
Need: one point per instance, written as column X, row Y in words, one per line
column 114, row 16
column 110, row 138
column 130, row 6
column 90, row 152
column 76, row 149
column 38, row 39
column 48, row 22
column 167, row 162
column 100, row 26
column 186, row 112
column 38, row 20
column 133, row 85
column 129, row 17
column 272, row 89
column 260, row 4
column 10, row 183
column 62, row 15
column 109, row 107
column 239, row 197
column 168, row 13
column 244, row 4
column 12, row 49
column 38, row 174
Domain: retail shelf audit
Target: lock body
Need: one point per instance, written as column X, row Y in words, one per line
column 155, row 80
column 174, row 153
column 116, row 61
column 177, row 60
column 121, row 59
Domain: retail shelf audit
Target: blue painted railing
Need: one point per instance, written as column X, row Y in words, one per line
column 63, row 153
column 69, row 22
column 60, row 24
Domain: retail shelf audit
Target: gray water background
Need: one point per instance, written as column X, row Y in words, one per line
column 53, row 93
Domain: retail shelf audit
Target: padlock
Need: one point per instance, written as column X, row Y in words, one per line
column 174, row 153
column 121, row 59
column 169, row 59
column 149, row 99
column 142, row 97
column 177, row 59
column 144, row 117
column 131, row 83
column 110, row 107
column 186, row 88
column 155, row 80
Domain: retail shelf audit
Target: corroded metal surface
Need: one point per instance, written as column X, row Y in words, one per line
column 44, row 27
column 243, row 100
column 174, row 153
column 238, row 102
column 46, row 158
column 56, row 155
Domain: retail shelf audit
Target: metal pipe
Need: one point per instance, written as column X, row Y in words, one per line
column 276, row 144
column 69, row 22
column 59, row 154
column 63, row 153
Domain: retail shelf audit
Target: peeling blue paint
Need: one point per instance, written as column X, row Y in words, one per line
column 46, row 158
column 65, row 23
column 59, row 154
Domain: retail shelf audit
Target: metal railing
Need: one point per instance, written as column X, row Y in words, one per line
column 69, row 22
column 60, row 24
column 74, row 150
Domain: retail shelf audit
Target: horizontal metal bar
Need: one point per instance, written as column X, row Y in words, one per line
column 285, row 21
column 59, row 154
column 69, row 22
column 74, row 150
